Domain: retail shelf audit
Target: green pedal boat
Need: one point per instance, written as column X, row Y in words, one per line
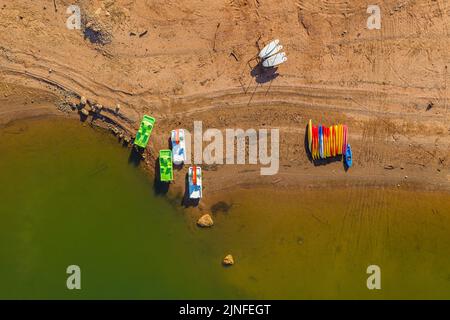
column 165, row 165
column 144, row 132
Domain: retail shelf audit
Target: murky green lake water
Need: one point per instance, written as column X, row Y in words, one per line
column 68, row 195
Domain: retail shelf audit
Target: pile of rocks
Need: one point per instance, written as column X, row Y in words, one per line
column 64, row 106
column 86, row 107
column 83, row 107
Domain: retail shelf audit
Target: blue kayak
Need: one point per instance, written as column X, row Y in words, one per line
column 321, row 142
column 348, row 156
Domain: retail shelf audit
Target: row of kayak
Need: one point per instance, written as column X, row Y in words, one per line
column 327, row 142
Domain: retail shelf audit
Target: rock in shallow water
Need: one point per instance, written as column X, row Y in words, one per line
column 205, row 221
column 228, row 260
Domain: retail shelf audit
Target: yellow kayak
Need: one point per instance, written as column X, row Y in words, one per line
column 331, row 140
column 339, row 144
column 336, row 141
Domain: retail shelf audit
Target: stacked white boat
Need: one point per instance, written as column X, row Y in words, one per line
column 271, row 56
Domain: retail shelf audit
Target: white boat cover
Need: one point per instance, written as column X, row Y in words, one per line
column 195, row 189
column 178, row 146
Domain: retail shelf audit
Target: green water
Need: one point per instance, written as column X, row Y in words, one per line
column 68, row 195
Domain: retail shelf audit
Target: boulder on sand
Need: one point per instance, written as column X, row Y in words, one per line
column 228, row 260
column 88, row 108
column 97, row 107
column 84, row 112
column 205, row 221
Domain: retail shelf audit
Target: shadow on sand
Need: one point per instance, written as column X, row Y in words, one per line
column 264, row 75
column 83, row 117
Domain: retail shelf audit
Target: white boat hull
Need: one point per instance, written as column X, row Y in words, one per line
column 275, row 60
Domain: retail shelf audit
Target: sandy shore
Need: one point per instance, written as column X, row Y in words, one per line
column 183, row 61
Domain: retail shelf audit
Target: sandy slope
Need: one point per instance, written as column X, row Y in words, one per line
column 194, row 63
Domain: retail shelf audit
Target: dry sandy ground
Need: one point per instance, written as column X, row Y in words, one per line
column 181, row 61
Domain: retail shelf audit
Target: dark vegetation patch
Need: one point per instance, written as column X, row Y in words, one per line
column 221, row 206
column 95, row 31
